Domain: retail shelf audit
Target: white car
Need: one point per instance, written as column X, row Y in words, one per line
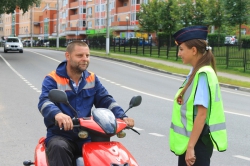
column 231, row 40
column 13, row 44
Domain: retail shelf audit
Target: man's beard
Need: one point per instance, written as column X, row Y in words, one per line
column 78, row 70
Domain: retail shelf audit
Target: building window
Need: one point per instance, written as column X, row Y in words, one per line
column 97, row 22
column 97, row 8
column 89, row 24
column 82, row 10
column 103, row 7
column 90, row 11
column 243, row 31
column 133, row 16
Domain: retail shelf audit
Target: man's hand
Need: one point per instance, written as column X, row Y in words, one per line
column 129, row 121
column 64, row 121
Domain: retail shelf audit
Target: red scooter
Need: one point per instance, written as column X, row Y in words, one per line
column 101, row 126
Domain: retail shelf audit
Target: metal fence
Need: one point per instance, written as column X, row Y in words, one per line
column 225, row 55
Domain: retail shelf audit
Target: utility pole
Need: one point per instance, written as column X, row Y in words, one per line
column 31, row 26
column 107, row 29
column 57, row 25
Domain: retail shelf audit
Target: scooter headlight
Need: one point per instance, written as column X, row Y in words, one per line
column 83, row 134
column 121, row 134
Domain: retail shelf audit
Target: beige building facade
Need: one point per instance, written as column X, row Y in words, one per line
column 76, row 19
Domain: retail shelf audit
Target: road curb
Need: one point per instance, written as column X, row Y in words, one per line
column 237, row 88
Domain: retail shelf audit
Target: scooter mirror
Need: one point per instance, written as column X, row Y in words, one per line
column 135, row 101
column 58, row 96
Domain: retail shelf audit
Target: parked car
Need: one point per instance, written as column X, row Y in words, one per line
column 139, row 41
column 231, row 40
column 46, row 44
column 118, row 40
column 26, row 43
column 13, row 44
column 42, row 42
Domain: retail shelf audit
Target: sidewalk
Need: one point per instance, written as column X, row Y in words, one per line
column 222, row 74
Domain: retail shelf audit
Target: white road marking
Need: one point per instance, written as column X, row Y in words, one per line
column 156, row 134
column 136, row 128
column 162, row 75
column 163, row 98
column 26, row 81
column 242, row 157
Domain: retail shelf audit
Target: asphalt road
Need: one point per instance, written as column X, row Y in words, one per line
column 21, row 124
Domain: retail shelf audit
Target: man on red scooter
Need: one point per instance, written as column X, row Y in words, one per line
column 84, row 90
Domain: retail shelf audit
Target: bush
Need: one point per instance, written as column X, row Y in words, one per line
column 245, row 41
column 215, row 39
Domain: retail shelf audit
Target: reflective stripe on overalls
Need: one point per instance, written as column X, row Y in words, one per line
column 63, row 84
column 182, row 117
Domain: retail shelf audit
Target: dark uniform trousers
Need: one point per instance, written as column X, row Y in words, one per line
column 203, row 152
column 61, row 152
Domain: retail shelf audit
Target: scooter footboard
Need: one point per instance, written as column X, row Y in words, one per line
column 107, row 154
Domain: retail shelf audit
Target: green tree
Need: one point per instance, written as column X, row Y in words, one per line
column 200, row 13
column 216, row 15
column 186, row 13
column 149, row 16
column 8, row 6
column 237, row 13
column 169, row 15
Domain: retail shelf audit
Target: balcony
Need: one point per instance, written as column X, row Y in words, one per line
column 74, row 5
column 75, row 28
column 74, row 17
column 71, row 29
column 123, row 9
column 36, row 23
column 136, row 8
column 119, row 23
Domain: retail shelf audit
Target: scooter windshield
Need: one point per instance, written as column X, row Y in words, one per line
column 105, row 119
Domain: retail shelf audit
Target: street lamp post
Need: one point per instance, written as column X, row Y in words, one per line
column 127, row 18
column 107, row 29
column 57, row 24
column 27, row 31
column 77, row 29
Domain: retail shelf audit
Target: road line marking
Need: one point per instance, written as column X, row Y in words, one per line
column 121, row 85
column 242, row 157
column 147, row 93
column 46, row 56
column 137, row 128
column 154, row 73
column 155, row 134
column 26, row 81
column 237, row 114
column 163, row 98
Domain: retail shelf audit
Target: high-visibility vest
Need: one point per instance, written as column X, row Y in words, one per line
column 183, row 115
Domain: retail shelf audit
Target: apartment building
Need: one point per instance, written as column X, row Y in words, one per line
column 76, row 19
column 1, row 27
